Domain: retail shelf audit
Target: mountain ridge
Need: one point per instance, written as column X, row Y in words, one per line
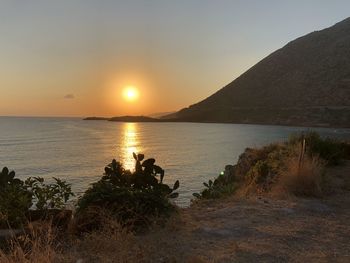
column 306, row 82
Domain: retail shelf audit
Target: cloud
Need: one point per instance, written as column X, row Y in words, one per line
column 69, row 96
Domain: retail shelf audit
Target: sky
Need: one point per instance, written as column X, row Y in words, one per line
column 75, row 57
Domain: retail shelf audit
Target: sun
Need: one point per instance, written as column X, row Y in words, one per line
column 130, row 93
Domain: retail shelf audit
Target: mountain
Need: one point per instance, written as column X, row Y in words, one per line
column 307, row 82
column 160, row 114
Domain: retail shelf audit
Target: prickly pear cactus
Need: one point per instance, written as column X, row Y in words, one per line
column 8, row 178
column 133, row 197
column 146, row 175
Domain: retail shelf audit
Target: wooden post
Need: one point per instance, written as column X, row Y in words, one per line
column 302, row 154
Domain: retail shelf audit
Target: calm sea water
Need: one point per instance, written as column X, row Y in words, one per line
column 78, row 150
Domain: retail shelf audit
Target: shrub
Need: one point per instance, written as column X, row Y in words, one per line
column 259, row 170
column 223, row 185
column 303, row 179
column 49, row 196
column 331, row 150
column 15, row 199
column 277, row 164
column 133, row 198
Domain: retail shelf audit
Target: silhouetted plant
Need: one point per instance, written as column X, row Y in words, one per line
column 220, row 187
column 134, row 198
column 49, row 196
column 15, row 199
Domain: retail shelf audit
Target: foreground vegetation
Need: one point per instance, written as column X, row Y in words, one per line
column 134, row 199
column 111, row 213
column 296, row 167
column 107, row 214
column 17, row 197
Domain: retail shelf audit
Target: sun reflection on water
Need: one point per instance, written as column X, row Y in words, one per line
column 129, row 145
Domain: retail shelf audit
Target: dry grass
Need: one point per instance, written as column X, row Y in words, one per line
column 112, row 243
column 35, row 247
column 304, row 179
column 198, row 259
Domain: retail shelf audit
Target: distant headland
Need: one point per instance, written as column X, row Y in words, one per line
column 128, row 119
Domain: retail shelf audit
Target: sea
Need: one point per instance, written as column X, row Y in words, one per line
column 77, row 150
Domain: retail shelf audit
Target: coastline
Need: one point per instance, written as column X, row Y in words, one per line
column 137, row 119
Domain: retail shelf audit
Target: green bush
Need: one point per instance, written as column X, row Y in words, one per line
column 133, row 198
column 15, row 200
column 258, row 170
column 17, row 197
column 49, row 196
column 223, row 185
column 331, row 150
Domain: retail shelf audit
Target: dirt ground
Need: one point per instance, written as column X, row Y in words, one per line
column 257, row 230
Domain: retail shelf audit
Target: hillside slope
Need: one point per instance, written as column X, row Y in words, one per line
column 307, row 82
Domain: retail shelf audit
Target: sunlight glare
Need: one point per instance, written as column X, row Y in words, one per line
column 130, row 93
column 130, row 144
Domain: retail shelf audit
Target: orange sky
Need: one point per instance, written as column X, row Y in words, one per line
column 74, row 58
